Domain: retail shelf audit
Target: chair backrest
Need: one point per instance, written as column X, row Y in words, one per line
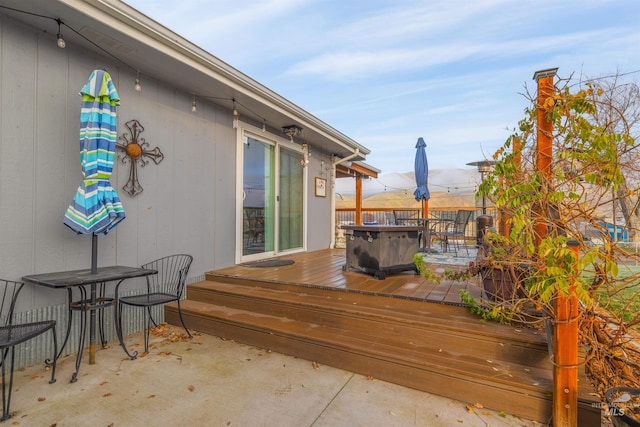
column 172, row 274
column 461, row 221
column 10, row 291
column 407, row 217
column 391, row 217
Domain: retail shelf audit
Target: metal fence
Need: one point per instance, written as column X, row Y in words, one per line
column 385, row 216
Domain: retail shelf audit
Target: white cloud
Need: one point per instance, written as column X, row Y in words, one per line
column 385, row 73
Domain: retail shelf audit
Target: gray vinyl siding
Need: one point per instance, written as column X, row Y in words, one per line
column 188, row 203
column 188, row 200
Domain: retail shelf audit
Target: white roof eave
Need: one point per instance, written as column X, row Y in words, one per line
column 201, row 72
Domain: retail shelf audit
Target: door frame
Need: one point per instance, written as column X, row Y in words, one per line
column 245, row 130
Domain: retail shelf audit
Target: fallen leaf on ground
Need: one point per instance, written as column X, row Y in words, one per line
column 316, row 365
column 106, row 395
column 191, row 388
column 151, row 396
column 478, row 405
column 42, row 399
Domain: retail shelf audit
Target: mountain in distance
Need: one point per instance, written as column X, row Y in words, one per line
column 447, row 188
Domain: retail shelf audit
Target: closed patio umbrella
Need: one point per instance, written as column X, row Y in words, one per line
column 96, row 207
column 421, row 170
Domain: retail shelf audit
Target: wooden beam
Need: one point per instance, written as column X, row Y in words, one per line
column 358, row 200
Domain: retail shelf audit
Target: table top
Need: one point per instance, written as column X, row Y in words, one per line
column 66, row 279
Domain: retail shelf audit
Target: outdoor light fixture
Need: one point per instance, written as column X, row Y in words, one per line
column 137, row 86
column 291, row 131
column 193, row 104
column 61, row 43
column 483, row 166
column 236, row 118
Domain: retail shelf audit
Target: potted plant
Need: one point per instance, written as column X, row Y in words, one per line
column 502, row 268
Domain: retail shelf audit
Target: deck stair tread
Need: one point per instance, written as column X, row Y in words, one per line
column 405, row 309
column 367, row 315
column 349, row 340
column 438, row 348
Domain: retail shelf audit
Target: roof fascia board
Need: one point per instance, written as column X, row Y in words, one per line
column 129, row 21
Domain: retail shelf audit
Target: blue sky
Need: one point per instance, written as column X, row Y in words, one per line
column 387, row 72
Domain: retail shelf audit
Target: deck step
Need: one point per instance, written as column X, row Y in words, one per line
column 437, row 348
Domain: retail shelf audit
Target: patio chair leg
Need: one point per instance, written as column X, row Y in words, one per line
column 182, row 320
column 6, row 394
column 119, row 333
column 151, row 317
column 147, row 332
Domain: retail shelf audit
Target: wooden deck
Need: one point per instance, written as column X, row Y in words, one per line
column 403, row 329
column 324, row 268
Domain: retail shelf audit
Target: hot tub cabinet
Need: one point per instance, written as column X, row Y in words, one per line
column 381, row 249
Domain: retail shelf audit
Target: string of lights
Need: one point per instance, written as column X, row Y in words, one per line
column 62, row 43
column 411, row 188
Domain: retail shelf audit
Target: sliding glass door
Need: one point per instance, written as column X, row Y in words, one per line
column 273, row 198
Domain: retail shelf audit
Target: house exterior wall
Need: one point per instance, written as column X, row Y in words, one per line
column 188, row 202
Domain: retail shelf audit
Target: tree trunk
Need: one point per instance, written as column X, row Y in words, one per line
column 629, row 211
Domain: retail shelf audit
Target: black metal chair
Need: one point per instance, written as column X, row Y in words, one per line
column 162, row 288
column 448, row 231
column 12, row 334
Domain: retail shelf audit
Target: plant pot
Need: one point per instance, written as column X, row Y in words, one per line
column 624, row 406
column 501, row 286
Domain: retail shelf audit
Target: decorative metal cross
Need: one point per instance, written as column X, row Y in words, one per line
column 134, row 150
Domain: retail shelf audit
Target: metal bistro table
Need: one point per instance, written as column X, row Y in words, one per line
column 91, row 303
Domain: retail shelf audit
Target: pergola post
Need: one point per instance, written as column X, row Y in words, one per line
column 358, row 218
column 565, row 331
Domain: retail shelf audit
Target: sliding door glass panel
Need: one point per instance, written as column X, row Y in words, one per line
column 259, row 197
column 290, row 218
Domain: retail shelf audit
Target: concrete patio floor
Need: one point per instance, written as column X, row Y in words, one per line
column 207, row 381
